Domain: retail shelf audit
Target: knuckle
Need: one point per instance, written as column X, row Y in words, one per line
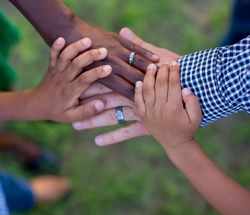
column 174, row 82
column 82, row 79
column 138, row 77
column 64, row 92
column 93, row 53
column 111, row 116
column 88, row 112
column 174, row 109
column 76, row 63
column 161, row 82
column 147, row 91
column 140, row 62
column 130, row 92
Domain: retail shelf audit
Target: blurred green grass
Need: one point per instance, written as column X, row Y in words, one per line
column 134, row 177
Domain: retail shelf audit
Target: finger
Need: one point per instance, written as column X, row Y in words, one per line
column 139, row 50
column 126, row 132
column 140, row 62
column 192, row 106
column 118, row 84
column 132, row 74
column 70, row 52
column 105, row 118
column 161, row 85
column 83, row 60
column 95, row 89
column 148, row 88
column 111, row 100
column 85, row 111
column 128, row 34
column 85, row 79
column 139, row 101
column 55, row 51
column 174, row 89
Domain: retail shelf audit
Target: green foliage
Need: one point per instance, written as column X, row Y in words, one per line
column 134, row 177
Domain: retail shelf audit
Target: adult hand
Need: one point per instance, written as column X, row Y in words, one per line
column 123, row 76
column 165, row 55
column 53, row 19
column 111, row 100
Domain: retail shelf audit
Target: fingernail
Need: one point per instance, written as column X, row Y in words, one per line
column 77, row 125
column 173, row 63
column 86, row 42
column 99, row 106
column 107, row 68
column 128, row 34
column 59, row 41
column 99, row 141
column 155, row 57
column 103, row 51
column 151, row 66
column 138, row 84
column 186, row 91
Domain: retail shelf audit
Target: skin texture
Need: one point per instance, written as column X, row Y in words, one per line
column 172, row 116
column 57, row 96
column 53, row 19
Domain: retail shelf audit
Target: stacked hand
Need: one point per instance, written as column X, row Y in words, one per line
column 57, row 97
column 171, row 115
column 112, row 100
column 124, row 75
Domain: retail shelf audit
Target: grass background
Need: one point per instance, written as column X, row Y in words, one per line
column 134, row 177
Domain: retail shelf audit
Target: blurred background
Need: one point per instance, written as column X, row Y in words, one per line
column 133, row 177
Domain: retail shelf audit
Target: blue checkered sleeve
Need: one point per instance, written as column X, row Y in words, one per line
column 220, row 78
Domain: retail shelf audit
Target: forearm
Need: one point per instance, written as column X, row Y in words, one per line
column 222, row 192
column 51, row 18
column 18, row 106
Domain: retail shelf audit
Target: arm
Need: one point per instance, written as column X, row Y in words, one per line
column 56, row 97
column 53, row 19
column 159, row 102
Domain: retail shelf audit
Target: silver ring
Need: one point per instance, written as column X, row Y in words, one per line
column 131, row 58
column 119, row 115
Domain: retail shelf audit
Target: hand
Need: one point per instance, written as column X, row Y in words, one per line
column 159, row 103
column 53, row 19
column 134, row 129
column 123, row 75
column 57, row 95
column 107, row 116
column 164, row 54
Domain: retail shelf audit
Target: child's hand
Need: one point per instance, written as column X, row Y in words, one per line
column 171, row 115
column 57, row 95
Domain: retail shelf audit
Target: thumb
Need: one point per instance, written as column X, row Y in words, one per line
column 192, row 106
column 128, row 34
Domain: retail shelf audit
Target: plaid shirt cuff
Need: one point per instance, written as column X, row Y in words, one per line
column 220, row 78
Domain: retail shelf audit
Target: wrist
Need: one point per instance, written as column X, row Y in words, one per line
column 180, row 152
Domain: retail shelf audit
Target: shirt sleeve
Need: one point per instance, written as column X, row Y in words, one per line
column 220, row 78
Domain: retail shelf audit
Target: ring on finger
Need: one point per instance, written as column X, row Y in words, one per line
column 131, row 58
column 119, row 115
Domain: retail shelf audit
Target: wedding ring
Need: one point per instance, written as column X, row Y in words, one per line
column 119, row 115
column 131, row 58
